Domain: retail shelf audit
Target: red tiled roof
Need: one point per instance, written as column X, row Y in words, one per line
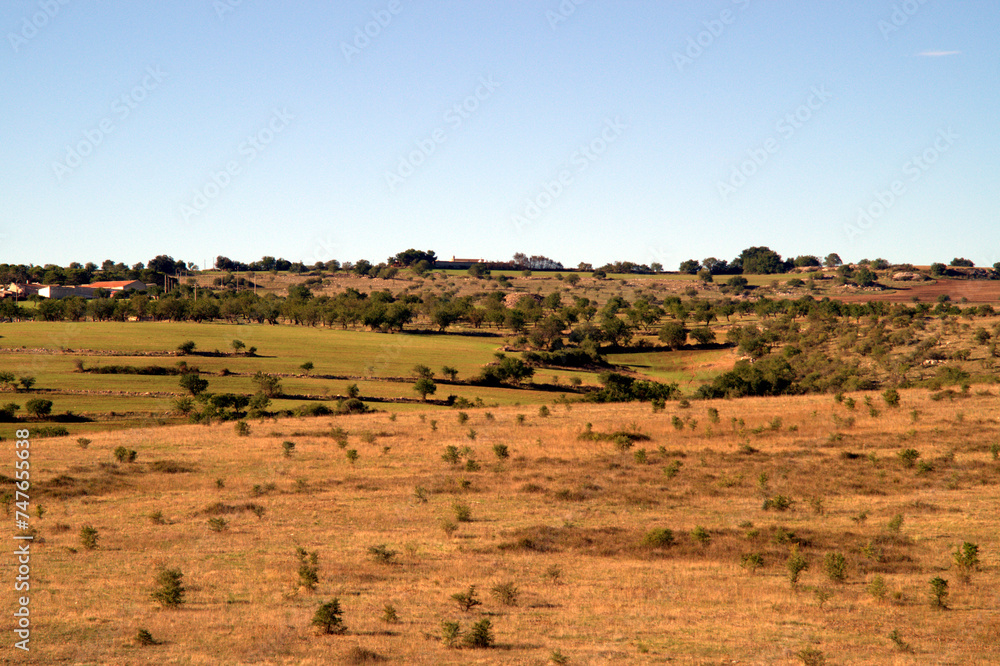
column 111, row 285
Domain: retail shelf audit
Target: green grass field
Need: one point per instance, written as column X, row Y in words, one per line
column 50, row 352
column 689, row 368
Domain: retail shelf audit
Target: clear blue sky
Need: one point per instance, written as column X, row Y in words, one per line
column 120, row 120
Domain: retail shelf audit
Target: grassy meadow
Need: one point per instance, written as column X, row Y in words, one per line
column 559, row 538
column 380, row 364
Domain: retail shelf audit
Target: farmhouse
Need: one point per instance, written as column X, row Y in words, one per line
column 57, row 291
column 119, row 285
column 20, row 290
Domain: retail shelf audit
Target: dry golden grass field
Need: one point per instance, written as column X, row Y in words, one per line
column 563, row 521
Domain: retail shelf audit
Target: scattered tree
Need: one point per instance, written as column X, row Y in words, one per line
column 425, row 387
column 39, row 407
column 192, row 383
column 690, row 266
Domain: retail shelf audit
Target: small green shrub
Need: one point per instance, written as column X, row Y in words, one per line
column 462, row 418
column 672, row 469
column 241, row 428
column 88, row 537
column 389, row 614
column 501, row 451
column 909, row 457
column 463, row 513
column 467, row 600
column 701, row 536
column 262, row 489
column 358, row 656
column 966, row 558
column 352, row 455
column 451, row 455
column 450, row 633
column 877, row 588
column 752, row 561
column 287, row 448
column 480, row 636
column 558, row 658
column 795, row 564
column 170, row 590
column 891, row 397
column 124, row 455
column 939, row 593
column 778, row 503
column 835, row 566
column 83, row 442
column 328, row 618
column 660, row 537
column 308, row 568
column 822, row 596
column 218, row 524
column 783, row 536
column 381, row 554
column 505, row 593
column 811, row 657
column 144, row 638
column 895, row 524
column 448, row 526
column 543, row 411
